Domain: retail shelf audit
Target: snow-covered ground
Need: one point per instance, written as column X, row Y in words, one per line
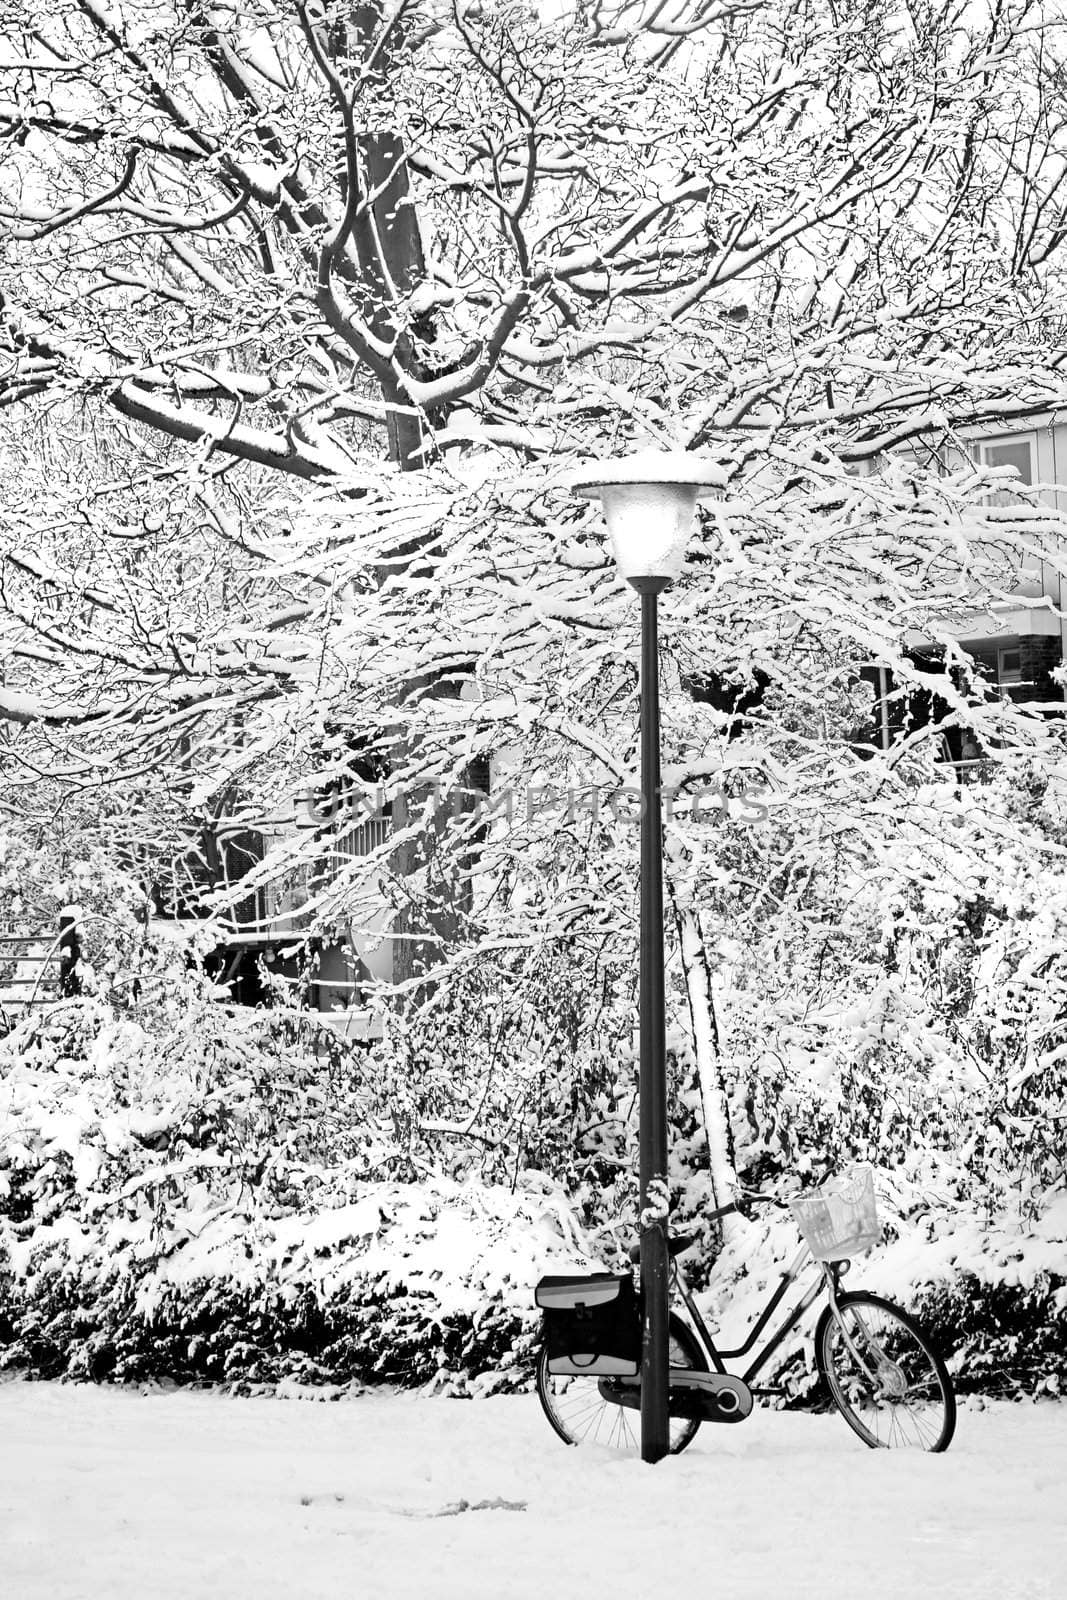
column 117, row 1495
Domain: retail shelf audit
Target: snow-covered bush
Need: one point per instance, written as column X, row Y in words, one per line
column 992, row 1294
column 209, row 1193
column 517, row 1060
column 207, row 1200
column 194, row 1195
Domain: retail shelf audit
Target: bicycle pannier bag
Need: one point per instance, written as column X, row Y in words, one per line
column 592, row 1325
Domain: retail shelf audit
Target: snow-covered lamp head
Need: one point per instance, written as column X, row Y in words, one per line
column 649, row 501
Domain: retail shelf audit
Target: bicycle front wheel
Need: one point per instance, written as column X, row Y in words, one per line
column 607, row 1411
column 884, row 1376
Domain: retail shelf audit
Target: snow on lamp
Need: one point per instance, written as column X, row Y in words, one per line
column 649, row 501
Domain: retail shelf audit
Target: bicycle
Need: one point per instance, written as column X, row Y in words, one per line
column 881, row 1371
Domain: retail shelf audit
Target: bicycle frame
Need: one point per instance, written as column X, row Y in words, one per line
column 827, row 1280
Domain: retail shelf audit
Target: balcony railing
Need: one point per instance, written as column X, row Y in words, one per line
column 183, row 882
column 977, row 771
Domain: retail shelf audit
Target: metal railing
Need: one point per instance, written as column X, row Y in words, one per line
column 38, row 965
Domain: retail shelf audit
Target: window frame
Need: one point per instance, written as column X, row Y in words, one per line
column 1008, row 496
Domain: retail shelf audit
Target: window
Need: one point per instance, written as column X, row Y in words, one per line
column 1018, row 453
column 1009, row 666
column 1021, row 669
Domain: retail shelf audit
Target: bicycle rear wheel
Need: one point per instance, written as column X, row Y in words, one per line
column 585, row 1410
column 884, row 1376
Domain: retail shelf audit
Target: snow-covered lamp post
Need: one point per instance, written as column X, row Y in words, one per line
column 649, row 502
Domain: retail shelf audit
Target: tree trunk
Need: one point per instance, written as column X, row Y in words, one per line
column 724, row 1185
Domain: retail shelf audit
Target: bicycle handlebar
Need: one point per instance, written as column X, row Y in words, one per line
column 765, row 1199
column 748, row 1197
column 680, row 1243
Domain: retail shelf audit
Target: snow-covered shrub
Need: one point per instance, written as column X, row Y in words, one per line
column 204, row 1200
column 991, row 1294
column 1002, row 1337
column 519, row 1060
column 400, row 1285
column 904, row 1004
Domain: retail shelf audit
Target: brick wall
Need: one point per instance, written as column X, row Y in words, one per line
column 1039, row 656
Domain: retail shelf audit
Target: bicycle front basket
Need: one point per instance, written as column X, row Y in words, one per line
column 841, row 1219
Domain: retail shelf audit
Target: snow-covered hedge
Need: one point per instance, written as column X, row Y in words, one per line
column 991, row 1292
column 191, row 1193
column 208, row 1202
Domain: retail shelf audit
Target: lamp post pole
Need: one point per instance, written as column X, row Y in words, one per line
column 652, row 1173
column 649, row 501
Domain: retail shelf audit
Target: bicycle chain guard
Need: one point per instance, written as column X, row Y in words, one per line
column 702, row 1396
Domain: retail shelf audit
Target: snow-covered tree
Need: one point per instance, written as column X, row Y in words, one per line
column 292, row 232
column 293, row 252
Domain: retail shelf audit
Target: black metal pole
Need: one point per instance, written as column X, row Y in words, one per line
column 70, row 983
column 655, row 1365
